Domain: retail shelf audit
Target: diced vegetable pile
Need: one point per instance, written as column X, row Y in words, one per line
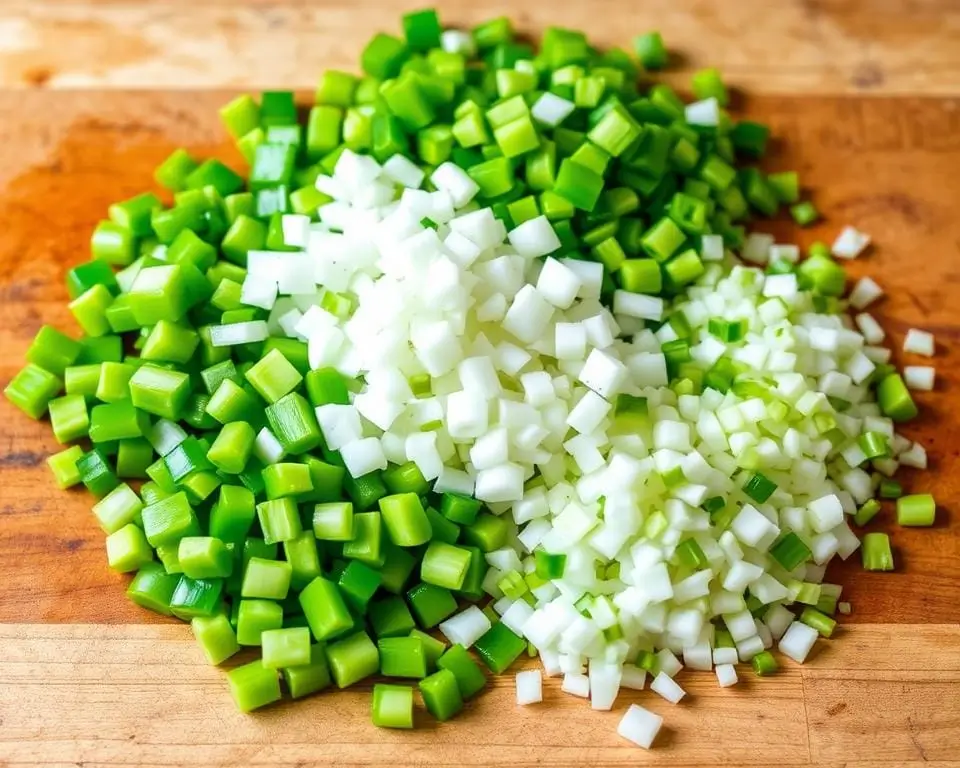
column 489, row 324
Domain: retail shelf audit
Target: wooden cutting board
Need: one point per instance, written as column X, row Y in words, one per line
column 88, row 679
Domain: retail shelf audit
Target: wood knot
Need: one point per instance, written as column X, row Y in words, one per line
column 37, row 77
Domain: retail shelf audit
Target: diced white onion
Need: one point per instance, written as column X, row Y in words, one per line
column 238, row 333
column 557, row 412
column 798, row 641
column 850, row 243
column 576, row 684
column 706, row 112
column 551, row 109
column 465, row 627
column 458, row 41
column 726, row 675
column 919, row 377
column 529, row 687
column 665, row 686
column 640, row 726
column 919, row 342
column 865, row 292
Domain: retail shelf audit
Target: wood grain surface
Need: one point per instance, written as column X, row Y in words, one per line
column 137, row 695
column 84, row 681
column 771, row 46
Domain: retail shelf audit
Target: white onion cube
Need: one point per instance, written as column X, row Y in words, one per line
column 455, row 181
column 339, row 425
column 705, row 112
column 362, row 457
column 603, row 373
column 604, row 684
column 640, row 726
column 467, row 415
column 529, row 687
column 865, row 292
column 588, row 413
column 528, row 315
column 534, row 237
column 403, row 171
column 825, row 512
column 576, row 684
column 466, row 627
column 558, row 284
column 665, row 686
column 919, row 377
column 850, row 243
column 637, row 305
column 726, row 675
column 798, row 641
column 500, row 483
column 551, row 109
column 919, row 342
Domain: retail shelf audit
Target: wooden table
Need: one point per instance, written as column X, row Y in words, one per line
column 863, row 96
